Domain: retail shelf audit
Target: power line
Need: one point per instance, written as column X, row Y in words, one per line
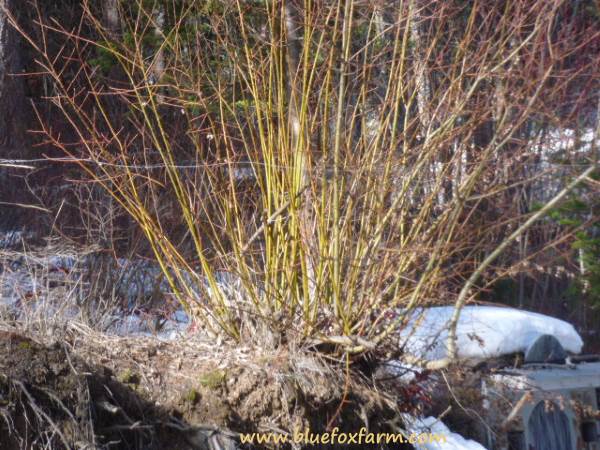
column 25, row 164
column 21, row 163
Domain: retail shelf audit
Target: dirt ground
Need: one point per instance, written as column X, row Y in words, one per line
column 94, row 392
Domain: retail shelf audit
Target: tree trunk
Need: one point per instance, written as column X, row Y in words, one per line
column 15, row 119
column 373, row 103
column 298, row 138
column 12, row 93
column 294, row 50
column 112, row 20
column 158, row 64
column 422, row 82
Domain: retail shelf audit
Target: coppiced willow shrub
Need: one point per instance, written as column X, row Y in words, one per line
column 343, row 162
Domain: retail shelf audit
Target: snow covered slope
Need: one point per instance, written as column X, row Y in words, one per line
column 483, row 332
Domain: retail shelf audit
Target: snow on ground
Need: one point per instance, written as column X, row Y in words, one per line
column 483, row 332
column 41, row 285
column 402, row 371
column 11, row 239
column 46, row 283
column 454, row 441
column 136, row 323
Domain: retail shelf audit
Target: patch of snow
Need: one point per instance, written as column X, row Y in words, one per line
column 137, row 323
column 402, row 371
column 180, row 316
column 483, row 332
column 11, row 239
column 454, row 441
column 48, row 284
column 61, row 262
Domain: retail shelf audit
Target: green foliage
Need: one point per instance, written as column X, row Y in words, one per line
column 213, row 379
column 213, row 7
column 105, row 58
column 580, row 211
column 192, row 396
column 589, row 248
column 129, row 377
column 24, row 345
